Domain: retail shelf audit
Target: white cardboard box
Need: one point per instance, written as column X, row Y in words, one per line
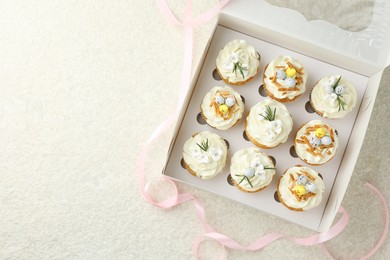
column 263, row 26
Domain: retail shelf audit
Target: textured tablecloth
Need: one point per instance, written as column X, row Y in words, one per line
column 82, row 86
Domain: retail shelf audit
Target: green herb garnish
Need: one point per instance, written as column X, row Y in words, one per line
column 340, row 99
column 269, row 114
column 204, row 145
column 336, row 84
column 341, row 102
column 244, row 178
column 238, row 66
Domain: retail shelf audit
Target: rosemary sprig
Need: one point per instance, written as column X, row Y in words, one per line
column 238, row 66
column 340, row 99
column 341, row 102
column 244, row 178
column 336, row 84
column 204, row 145
column 270, row 115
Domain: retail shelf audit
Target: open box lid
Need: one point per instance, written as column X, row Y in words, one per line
column 365, row 52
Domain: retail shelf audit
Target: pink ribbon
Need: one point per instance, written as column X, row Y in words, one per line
column 188, row 24
column 316, row 239
column 270, row 238
column 385, row 229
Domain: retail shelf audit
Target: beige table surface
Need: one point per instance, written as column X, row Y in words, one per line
column 82, row 86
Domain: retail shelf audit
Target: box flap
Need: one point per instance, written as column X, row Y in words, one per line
column 370, row 46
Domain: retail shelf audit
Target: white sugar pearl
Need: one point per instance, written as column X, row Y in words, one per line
column 314, row 141
column 302, row 179
column 281, row 74
column 230, row 102
column 311, row 187
column 326, row 140
column 220, row 100
column 249, row 172
column 339, row 90
column 290, row 82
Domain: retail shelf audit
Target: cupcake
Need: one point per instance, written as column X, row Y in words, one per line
column 268, row 124
column 333, row 97
column 251, row 170
column 284, row 79
column 204, row 154
column 222, row 107
column 237, row 63
column 300, row 188
column 316, row 142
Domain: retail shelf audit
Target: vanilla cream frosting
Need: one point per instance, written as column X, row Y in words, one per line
column 281, row 83
column 305, row 183
column 216, row 97
column 265, row 132
column 253, row 165
column 324, row 146
column 205, row 153
column 241, row 53
column 326, row 98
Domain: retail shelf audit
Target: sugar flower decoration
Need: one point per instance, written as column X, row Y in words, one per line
column 215, row 153
column 233, row 63
column 273, row 129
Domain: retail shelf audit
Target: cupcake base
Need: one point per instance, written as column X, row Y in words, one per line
column 313, row 107
column 188, row 168
column 315, row 110
column 193, row 173
column 282, row 100
column 205, row 119
column 321, row 98
column 304, row 160
column 248, row 191
column 281, row 200
column 254, row 141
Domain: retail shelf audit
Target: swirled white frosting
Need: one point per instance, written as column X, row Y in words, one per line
column 289, row 198
column 212, row 117
column 269, row 133
column 324, row 98
column 270, row 72
column 301, row 148
column 246, row 56
column 205, row 164
column 251, row 161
